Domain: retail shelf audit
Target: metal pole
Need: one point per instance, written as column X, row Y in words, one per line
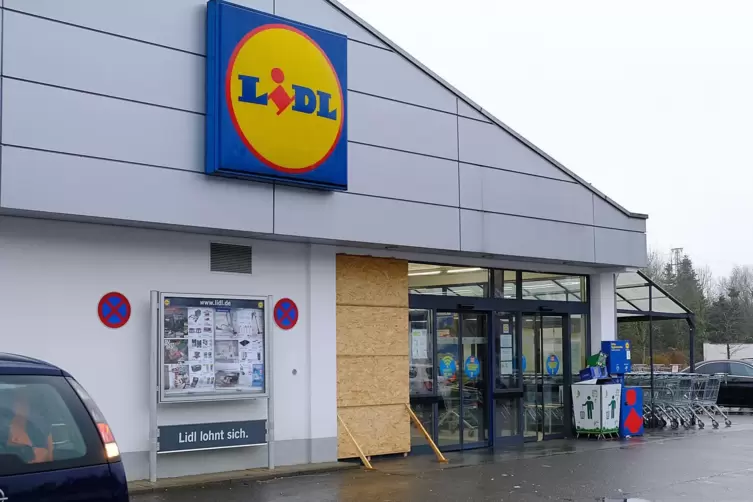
column 269, row 368
column 154, row 307
column 691, row 326
column 651, row 351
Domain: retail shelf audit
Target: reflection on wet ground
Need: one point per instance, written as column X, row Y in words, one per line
column 694, row 466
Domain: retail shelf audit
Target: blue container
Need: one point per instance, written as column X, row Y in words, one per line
column 592, row 373
column 618, row 356
column 631, row 412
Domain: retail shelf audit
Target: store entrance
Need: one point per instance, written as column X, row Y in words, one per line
column 462, row 380
column 546, row 376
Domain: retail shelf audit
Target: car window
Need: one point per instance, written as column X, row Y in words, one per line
column 740, row 369
column 44, row 426
column 713, row 368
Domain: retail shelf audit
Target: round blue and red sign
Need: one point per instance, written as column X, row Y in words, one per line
column 286, row 313
column 114, row 310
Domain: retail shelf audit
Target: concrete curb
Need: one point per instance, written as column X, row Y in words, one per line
column 251, row 475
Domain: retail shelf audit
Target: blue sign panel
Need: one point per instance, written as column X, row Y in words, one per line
column 276, row 99
column 447, row 366
column 472, row 367
column 552, row 364
column 618, row 356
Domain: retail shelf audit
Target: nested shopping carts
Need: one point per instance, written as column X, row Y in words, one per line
column 679, row 399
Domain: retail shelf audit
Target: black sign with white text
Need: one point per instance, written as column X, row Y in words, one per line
column 212, row 435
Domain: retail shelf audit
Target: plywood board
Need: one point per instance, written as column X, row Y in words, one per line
column 372, row 380
column 379, row 430
column 369, row 281
column 374, row 331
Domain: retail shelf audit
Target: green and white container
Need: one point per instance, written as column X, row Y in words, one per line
column 596, row 408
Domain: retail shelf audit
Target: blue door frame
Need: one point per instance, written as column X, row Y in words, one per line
column 491, row 395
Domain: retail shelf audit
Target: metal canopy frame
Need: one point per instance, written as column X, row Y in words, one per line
column 634, row 290
column 638, row 288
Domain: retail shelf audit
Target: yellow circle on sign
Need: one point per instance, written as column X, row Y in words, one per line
column 284, row 98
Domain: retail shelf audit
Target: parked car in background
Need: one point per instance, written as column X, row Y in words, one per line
column 737, row 385
column 54, row 442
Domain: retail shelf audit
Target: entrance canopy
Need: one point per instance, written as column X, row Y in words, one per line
column 641, row 299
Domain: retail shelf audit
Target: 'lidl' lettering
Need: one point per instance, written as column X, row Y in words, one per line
column 304, row 99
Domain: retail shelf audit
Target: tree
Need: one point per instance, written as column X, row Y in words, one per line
column 727, row 320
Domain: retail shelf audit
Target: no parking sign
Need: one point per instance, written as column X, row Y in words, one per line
column 286, row 313
column 114, row 310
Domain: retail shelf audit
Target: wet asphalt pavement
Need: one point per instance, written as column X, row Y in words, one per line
column 691, row 466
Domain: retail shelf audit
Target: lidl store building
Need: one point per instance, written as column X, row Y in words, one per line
column 243, row 230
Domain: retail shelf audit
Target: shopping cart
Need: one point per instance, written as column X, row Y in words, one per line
column 706, row 398
column 679, row 399
column 450, row 418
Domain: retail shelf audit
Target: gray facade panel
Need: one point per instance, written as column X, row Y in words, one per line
column 606, row 215
column 349, row 217
column 499, row 191
column 116, row 89
column 490, row 145
column 321, row 14
column 179, row 24
column 100, row 63
column 91, row 187
column 526, row 237
column 382, row 73
column 382, row 122
column 2, row 15
column 465, row 110
column 620, row 247
column 86, row 124
column 399, row 175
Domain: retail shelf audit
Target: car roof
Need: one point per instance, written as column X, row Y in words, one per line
column 14, row 364
column 747, row 362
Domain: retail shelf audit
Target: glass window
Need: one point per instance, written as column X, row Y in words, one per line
column 505, row 352
column 578, row 348
column 214, row 347
column 421, row 371
column 425, row 414
column 554, row 287
column 507, row 417
column 740, row 369
column 447, row 368
column 425, row 279
column 713, row 368
column 44, row 426
column 504, row 284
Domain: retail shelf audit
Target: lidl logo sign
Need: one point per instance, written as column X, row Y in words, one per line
column 281, row 85
column 276, row 99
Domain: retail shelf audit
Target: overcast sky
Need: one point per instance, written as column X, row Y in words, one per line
column 650, row 101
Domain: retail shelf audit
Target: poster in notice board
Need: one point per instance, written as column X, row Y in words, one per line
column 212, row 348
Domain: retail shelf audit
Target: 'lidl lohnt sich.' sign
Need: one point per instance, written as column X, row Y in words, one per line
column 276, row 99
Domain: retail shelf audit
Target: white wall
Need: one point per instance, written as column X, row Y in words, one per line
column 603, row 310
column 52, row 275
column 122, row 98
column 713, row 351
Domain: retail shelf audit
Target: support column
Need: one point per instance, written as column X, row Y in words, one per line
column 603, row 310
column 322, row 354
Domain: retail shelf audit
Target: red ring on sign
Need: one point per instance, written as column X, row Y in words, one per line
column 114, row 301
column 286, row 314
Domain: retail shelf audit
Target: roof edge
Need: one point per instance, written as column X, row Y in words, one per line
column 392, row 45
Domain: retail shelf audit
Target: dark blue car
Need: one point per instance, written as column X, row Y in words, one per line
column 55, row 445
